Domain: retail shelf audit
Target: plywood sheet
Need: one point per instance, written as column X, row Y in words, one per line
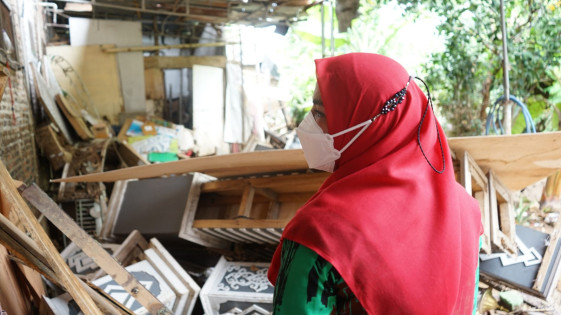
column 154, row 84
column 517, row 160
column 272, row 161
column 141, row 200
column 130, row 64
column 100, row 75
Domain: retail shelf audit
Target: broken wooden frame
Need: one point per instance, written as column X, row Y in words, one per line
column 476, row 184
column 247, row 210
column 550, row 270
column 18, row 212
column 81, row 264
column 26, row 251
column 503, row 225
column 133, row 205
column 234, row 283
column 176, row 268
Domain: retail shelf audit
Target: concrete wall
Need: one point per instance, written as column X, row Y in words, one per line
column 17, row 142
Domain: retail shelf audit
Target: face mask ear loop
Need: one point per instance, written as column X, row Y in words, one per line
column 365, row 124
column 429, row 101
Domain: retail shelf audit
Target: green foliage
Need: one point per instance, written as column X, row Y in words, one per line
column 467, row 76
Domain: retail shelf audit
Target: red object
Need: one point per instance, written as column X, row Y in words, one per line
column 403, row 237
column 11, row 94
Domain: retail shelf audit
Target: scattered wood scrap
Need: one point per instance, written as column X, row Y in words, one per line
column 63, row 222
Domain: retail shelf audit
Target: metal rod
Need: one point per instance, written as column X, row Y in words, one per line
column 159, row 12
column 322, row 30
column 332, row 10
column 243, row 88
column 507, row 120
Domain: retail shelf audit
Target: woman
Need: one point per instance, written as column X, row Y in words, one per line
column 390, row 231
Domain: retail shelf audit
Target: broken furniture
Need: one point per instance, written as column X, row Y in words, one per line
column 237, row 285
column 153, row 206
column 245, row 210
column 228, row 198
column 476, row 184
column 534, row 270
column 143, row 271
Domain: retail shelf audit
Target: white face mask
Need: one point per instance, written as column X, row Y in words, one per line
column 318, row 146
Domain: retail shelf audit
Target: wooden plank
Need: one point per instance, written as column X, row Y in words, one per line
column 65, row 224
column 518, row 160
column 74, row 117
column 186, row 231
column 176, row 62
column 3, row 81
column 12, row 299
column 194, row 288
column 547, row 261
column 240, row 223
column 246, row 202
column 218, row 166
column 503, row 225
column 47, row 100
column 26, row 250
column 159, row 47
column 11, row 198
column 113, row 207
column 154, row 83
column 126, row 252
column 129, row 156
column 52, row 146
column 476, row 184
column 308, row 182
column 179, row 289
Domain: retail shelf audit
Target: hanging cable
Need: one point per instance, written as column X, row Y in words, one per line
column 494, row 119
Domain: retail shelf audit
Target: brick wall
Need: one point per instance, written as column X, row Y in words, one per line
column 17, row 144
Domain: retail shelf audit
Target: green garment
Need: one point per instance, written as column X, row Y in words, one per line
column 309, row 284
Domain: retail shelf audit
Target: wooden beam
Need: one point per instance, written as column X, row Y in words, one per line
column 177, row 62
column 476, row 184
column 160, row 47
column 547, row 262
column 518, row 160
column 123, row 254
column 66, row 225
column 24, row 249
column 74, row 117
column 246, row 202
column 240, row 223
column 306, row 182
column 10, row 197
column 236, row 164
column 503, row 225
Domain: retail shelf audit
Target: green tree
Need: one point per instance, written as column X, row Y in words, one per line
column 467, row 76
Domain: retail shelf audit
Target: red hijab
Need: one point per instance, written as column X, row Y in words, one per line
column 404, row 238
